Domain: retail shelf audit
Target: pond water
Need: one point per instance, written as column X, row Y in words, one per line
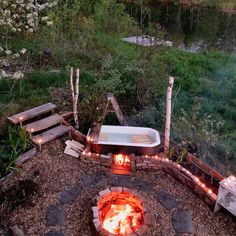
column 192, row 28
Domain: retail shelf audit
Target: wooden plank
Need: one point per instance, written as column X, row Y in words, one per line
column 43, row 123
column 75, row 145
column 71, row 152
column 29, row 114
column 26, row 156
column 50, row 134
column 204, row 167
column 141, row 138
column 119, row 114
column 75, row 134
column 94, row 132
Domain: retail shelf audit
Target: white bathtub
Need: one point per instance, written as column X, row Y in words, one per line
column 127, row 139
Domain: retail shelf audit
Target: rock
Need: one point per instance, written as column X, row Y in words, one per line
column 55, row 215
column 125, row 181
column 88, row 180
column 182, row 222
column 120, row 180
column 143, row 185
column 113, row 180
column 47, row 51
column 54, row 233
column 69, row 194
column 16, row 231
column 166, row 200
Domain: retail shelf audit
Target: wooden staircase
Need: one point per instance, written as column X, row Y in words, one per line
column 41, row 124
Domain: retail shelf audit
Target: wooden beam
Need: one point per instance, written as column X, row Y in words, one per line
column 29, row 114
column 111, row 99
column 43, row 123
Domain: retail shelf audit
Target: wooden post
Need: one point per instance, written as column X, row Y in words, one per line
column 75, row 95
column 168, row 114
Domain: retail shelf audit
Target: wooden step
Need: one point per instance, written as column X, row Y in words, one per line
column 50, row 134
column 29, row 114
column 43, row 123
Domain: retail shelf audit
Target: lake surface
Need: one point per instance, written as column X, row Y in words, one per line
column 192, row 28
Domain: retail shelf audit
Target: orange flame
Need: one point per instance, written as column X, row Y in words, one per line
column 121, row 160
column 121, row 219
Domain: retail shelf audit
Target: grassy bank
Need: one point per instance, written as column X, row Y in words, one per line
column 204, row 103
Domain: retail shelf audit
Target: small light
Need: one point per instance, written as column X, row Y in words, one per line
column 21, row 118
column 97, row 155
column 178, row 165
column 146, row 156
column 209, row 191
column 32, row 130
column 203, row 185
column 40, row 141
column 167, row 160
column 197, row 179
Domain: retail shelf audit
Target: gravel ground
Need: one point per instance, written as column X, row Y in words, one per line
column 53, row 171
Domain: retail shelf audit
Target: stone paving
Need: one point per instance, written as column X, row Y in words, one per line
column 55, row 216
column 182, row 222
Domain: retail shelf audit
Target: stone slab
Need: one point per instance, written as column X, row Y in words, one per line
column 166, row 200
column 55, row 215
column 69, row 194
column 182, row 222
column 54, row 233
column 90, row 180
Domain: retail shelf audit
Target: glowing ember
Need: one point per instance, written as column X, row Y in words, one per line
column 121, row 160
column 121, row 213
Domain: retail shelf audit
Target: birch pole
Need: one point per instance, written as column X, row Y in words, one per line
column 168, row 114
column 75, row 94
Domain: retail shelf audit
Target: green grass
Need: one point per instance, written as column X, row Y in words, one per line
column 137, row 76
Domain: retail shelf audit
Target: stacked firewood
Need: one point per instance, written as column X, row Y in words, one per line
column 73, row 148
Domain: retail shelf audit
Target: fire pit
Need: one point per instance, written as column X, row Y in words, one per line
column 121, row 164
column 120, row 211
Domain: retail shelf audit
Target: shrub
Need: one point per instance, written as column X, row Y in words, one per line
column 16, row 144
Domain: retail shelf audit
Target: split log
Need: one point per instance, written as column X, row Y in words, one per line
column 71, row 152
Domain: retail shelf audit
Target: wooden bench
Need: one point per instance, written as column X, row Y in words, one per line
column 43, row 123
column 32, row 113
column 50, row 135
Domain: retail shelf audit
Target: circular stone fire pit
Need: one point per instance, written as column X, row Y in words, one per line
column 121, row 211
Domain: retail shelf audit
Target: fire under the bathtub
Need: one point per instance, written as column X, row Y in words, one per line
column 121, row 164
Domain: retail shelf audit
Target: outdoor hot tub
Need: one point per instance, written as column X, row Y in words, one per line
column 126, row 140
